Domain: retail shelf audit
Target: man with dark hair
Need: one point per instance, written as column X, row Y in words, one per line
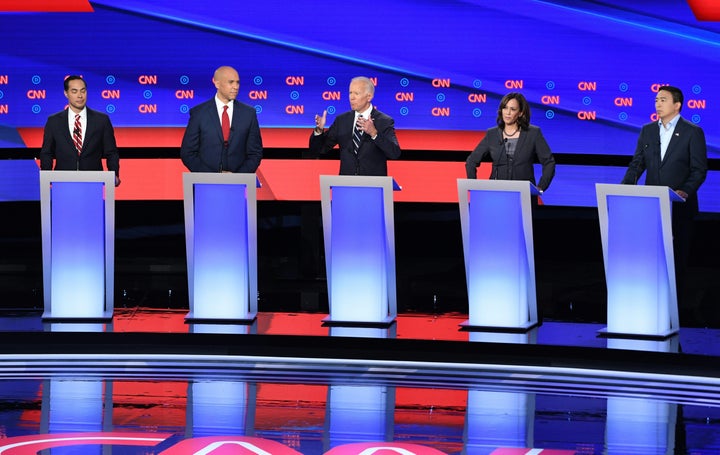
column 672, row 152
column 78, row 138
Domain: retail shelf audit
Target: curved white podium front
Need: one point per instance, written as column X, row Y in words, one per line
column 78, row 244
column 359, row 233
column 636, row 231
column 496, row 221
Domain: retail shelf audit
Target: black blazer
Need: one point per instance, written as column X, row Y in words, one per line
column 98, row 143
column 684, row 166
column 203, row 147
column 531, row 147
column 372, row 155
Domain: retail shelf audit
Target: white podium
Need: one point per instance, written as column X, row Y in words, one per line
column 221, row 246
column 496, row 222
column 637, row 243
column 78, row 244
column 359, row 234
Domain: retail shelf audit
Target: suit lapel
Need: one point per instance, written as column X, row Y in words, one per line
column 213, row 113
column 234, row 121
column 90, row 127
column 521, row 141
column 66, row 128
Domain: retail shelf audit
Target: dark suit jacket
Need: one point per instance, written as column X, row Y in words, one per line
column 684, row 166
column 531, row 147
column 98, row 143
column 372, row 155
column 203, row 148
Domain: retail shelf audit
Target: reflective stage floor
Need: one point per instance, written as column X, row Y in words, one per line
column 148, row 382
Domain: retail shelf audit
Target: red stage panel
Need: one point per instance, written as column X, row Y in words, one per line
column 705, row 10
column 151, row 137
column 295, row 180
column 46, row 6
column 154, row 179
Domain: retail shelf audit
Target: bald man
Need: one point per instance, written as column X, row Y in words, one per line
column 222, row 134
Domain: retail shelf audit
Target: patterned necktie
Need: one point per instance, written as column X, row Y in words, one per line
column 225, row 124
column 357, row 134
column 77, row 134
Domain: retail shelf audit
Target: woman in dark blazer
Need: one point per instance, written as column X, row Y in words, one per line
column 514, row 145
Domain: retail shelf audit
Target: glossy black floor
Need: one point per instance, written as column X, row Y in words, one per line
column 422, row 382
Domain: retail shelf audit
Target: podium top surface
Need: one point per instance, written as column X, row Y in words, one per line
column 107, row 177
column 229, row 178
column 607, row 189
column 497, row 185
column 359, row 180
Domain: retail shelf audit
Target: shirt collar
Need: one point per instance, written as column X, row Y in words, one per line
column 365, row 113
column 83, row 112
column 220, row 104
column 671, row 124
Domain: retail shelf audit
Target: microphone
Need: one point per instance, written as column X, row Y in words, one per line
column 509, row 159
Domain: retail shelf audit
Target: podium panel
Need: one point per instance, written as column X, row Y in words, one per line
column 496, row 222
column 359, row 234
column 636, row 231
column 221, row 245
column 78, row 240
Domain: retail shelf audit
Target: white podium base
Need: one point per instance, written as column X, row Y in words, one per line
column 520, row 328
column 387, row 322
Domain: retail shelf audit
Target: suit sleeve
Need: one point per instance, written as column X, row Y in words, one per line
column 698, row 162
column 110, row 150
column 637, row 165
column 546, row 159
column 321, row 144
column 386, row 139
column 476, row 156
column 253, row 147
column 190, row 147
column 47, row 151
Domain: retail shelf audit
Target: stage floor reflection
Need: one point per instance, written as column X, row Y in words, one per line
column 148, row 382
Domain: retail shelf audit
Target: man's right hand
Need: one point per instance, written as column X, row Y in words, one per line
column 320, row 122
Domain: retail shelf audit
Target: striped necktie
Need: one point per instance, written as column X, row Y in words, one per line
column 357, row 134
column 77, row 134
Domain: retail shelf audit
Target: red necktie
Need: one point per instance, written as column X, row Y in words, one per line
column 225, row 124
column 77, row 134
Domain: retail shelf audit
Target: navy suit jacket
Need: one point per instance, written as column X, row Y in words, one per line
column 203, row 148
column 531, row 147
column 372, row 155
column 98, row 143
column 684, row 166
